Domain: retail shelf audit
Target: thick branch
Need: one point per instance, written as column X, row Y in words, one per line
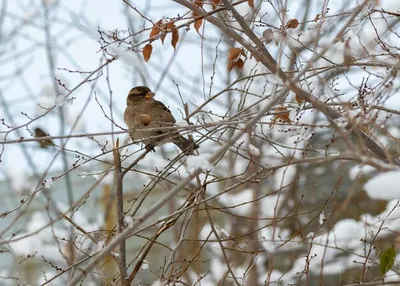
column 262, row 55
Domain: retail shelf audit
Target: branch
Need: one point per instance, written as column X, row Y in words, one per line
column 119, row 176
column 172, row 193
column 262, row 55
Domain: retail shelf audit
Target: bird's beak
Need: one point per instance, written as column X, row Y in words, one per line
column 149, row 95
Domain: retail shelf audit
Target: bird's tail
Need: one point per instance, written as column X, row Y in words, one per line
column 187, row 146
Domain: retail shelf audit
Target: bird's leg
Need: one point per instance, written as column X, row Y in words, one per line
column 150, row 147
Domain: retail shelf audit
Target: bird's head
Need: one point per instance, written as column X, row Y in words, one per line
column 39, row 132
column 139, row 93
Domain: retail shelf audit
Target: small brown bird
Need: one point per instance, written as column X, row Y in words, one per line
column 43, row 143
column 144, row 111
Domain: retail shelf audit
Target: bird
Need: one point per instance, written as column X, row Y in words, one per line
column 43, row 143
column 144, row 111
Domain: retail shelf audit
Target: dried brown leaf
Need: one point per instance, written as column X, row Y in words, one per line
column 147, row 52
column 175, row 37
column 215, row 3
column 234, row 59
column 156, row 29
column 197, row 24
column 239, row 64
column 292, row 24
column 162, row 38
column 298, row 99
column 163, row 28
column 251, row 3
column 171, row 25
column 282, row 113
column 234, row 53
column 231, row 64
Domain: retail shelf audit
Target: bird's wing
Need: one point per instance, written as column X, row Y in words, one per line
column 162, row 113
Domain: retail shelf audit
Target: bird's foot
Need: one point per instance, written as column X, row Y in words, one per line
column 150, row 147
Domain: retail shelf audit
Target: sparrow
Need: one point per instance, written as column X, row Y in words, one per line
column 43, row 143
column 144, row 111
